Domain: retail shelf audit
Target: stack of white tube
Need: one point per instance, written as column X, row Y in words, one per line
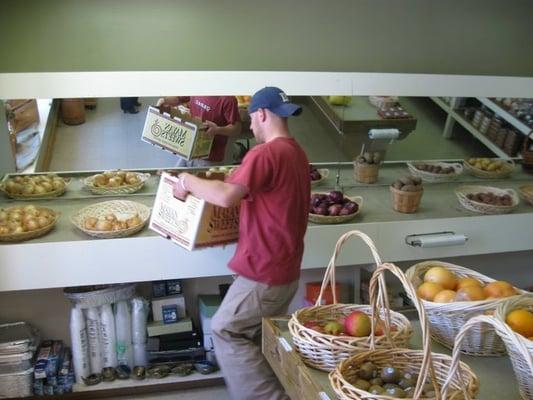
column 102, row 338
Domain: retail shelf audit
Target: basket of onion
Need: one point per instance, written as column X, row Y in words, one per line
column 24, row 223
column 333, row 207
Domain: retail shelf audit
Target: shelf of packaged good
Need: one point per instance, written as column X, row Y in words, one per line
column 507, row 116
column 172, row 382
column 67, row 257
column 473, row 131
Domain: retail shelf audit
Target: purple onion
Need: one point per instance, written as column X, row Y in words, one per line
column 336, row 196
column 350, row 208
column 322, row 209
column 334, row 209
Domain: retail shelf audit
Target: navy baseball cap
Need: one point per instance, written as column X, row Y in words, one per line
column 275, row 100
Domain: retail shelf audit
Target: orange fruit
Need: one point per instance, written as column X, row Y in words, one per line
column 468, row 281
column 499, row 289
column 441, row 276
column 470, row 293
column 445, row 296
column 521, row 321
column 428, row 290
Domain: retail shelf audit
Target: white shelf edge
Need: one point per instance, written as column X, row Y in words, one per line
column 132, row 383
column 505, row 115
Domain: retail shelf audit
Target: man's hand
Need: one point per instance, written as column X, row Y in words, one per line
column 212, row 128
column 180, row 190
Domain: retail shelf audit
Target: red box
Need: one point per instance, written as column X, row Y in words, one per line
column 312, row 290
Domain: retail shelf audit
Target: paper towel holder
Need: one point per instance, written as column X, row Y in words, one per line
column 436, row 239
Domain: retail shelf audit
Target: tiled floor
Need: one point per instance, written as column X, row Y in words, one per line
column 111, row 139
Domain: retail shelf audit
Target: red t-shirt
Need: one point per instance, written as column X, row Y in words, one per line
column 273, row 216
column 223, row 111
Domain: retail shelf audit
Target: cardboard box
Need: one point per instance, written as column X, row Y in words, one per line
column 157, row 328
column 21, row 114
column 192, row 223
column 160, row 302
column 178, row 133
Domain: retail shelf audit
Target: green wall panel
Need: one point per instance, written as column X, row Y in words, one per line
column 479, row 37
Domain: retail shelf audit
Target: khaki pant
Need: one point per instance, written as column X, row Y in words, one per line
column 236, row 329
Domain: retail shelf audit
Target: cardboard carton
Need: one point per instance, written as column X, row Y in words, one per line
column 192, row 223
column 178, row 133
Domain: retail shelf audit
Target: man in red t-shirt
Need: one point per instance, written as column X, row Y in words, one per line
column 273, row 187
column 220, row 114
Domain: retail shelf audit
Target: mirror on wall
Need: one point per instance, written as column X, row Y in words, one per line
column 105, row 133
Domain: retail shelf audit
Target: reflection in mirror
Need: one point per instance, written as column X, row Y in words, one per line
column 105, row 133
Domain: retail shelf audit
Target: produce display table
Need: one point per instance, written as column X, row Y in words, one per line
column 352, row 122
column 496, row 376
column 73, row 258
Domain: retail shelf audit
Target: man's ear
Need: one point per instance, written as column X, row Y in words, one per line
column 262, row 114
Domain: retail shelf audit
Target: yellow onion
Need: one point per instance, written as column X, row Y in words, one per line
column 31, row 224
column 43, row 221
column 103, row 225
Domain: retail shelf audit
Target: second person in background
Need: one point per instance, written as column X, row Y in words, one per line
column 220, row 114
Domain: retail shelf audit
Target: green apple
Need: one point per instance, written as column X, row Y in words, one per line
column 340, row 100
column 333, row 328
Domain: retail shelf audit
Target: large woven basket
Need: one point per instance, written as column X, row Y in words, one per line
column 337, row 219
column 123, row 209
column 324, row 173
column 519, row 348
column 451, row 379
column 19, row 237
column 365, row 173
column 405, row 202
column 482, row 208
column 479, row 173
column 446, row 319
column 47, row 195
column 323, row 351
column 433, row 177
column 123, row 189
column 526, row 191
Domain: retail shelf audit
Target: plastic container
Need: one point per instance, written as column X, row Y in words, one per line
column 108, row 337
column 78, row 337
column 123, row 329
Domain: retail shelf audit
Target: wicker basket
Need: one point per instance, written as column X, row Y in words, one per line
column 504, row 173
column 462, row 382
column 527, row 155
column 323, row 351
column 365, row 173
column 463, row 191
column 519, row 348
column 433, row 177
column 446, row 319
column 526, row 191
column 47, row 195
column 324, row 173
column 405, row 202
column 96, row 296
column 123, row 189
column 19, row 237
column 337, row 219
column 123, row 209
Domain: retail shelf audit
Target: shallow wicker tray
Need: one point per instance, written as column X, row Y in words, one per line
column 433, row 177
column 47, row 195
column 19, row 237
column 324, row 172
column 526, row 191
column 123, row 209
column 96, row 296
column 327, row 219
column 123, row 189
column 462, row 191
column 508, row 170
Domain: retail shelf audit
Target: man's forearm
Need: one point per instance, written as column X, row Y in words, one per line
column 213, row 191
column 230, row 130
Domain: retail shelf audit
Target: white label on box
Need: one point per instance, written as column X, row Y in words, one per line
column 175, row 135
column 193, row 222
column 173, row 218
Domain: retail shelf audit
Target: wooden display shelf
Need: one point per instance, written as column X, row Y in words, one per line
column 497, row 380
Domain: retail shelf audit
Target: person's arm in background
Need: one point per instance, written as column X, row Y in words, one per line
column 228, row 130
column 172, row 101
column 215, row 192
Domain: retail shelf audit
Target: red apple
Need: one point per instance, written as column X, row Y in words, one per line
column 357, row 324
